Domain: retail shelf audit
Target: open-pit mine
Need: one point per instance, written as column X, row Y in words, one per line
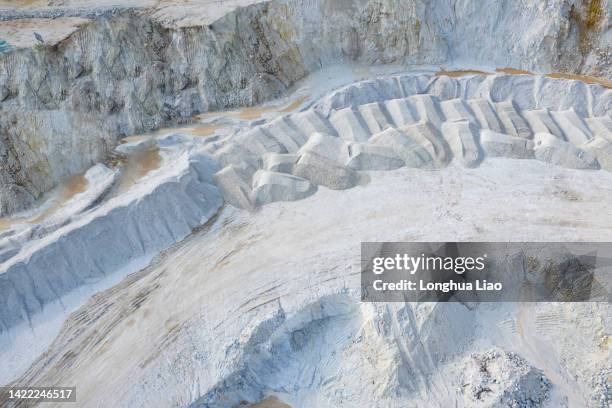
column 185, row 186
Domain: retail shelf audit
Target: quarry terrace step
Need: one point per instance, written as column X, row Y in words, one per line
column 381, row 124
column 425, row 121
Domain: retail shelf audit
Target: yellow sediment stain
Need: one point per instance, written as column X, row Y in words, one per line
column 587, row 18
column 248, row 113
column 19, row 3
column 513, row 71
column 255, row 112
column 606, row 83
column 5, row 223
column 417, row 28
column 294, row 105
column 66, row 190
column 71, row 186
column 197, row 129
column 207, row 129
column 605, row 343
column 136, row 166
column 460, row 73
column 136, row 138
column 203, row 129
column 594, row 14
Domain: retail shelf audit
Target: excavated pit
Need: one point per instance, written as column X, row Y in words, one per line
column 118, row 71
column 406, row 120
column 443, row 140
column 238, row 226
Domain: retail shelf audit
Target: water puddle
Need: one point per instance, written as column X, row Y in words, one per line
column 67, row 189
column 135, row 167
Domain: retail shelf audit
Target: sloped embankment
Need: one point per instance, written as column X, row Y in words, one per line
column 64, row 106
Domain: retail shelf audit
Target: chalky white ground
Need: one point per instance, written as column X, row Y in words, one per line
column 214, row 306
column 265, row 301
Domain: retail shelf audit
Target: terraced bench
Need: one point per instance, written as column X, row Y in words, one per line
column 424, row 122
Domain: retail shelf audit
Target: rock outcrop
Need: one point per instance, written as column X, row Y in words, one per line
column 64, row 104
